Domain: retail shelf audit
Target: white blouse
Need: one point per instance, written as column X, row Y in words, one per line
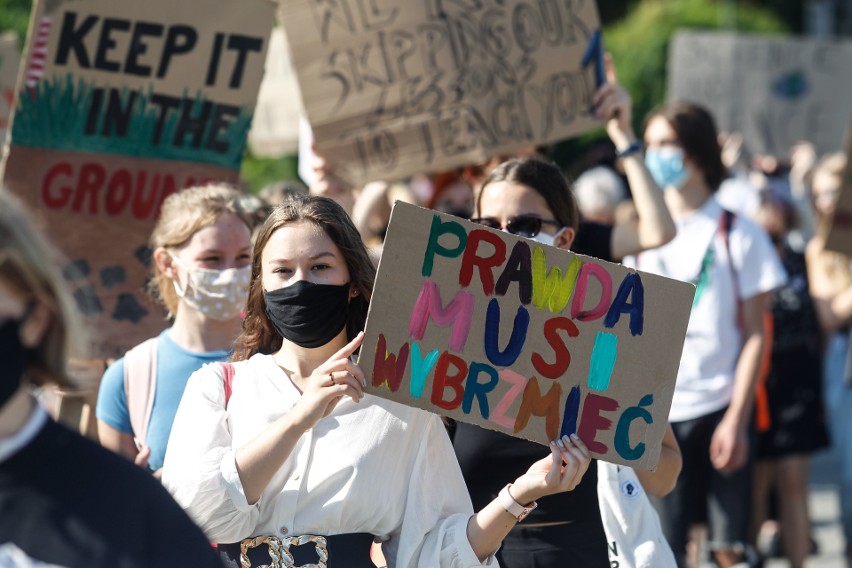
column 373, row 466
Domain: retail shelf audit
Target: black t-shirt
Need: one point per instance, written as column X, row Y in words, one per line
column 491, row 459
column 593, row 239
column 64, row 500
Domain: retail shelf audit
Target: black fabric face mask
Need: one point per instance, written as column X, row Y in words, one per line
column 310, row 315
column 14, row 356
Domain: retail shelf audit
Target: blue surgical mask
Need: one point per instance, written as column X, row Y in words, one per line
column 666, row 166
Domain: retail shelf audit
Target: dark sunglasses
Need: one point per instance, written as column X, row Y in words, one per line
column 522, row 225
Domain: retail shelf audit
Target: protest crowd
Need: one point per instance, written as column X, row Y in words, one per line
column 241, row 403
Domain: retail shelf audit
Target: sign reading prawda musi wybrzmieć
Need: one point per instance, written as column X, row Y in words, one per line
column 504, row 332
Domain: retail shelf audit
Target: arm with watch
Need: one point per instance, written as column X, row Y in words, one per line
column 654, row 226
column 561, row 471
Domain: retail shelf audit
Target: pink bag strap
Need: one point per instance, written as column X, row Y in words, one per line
column 140, row 384
column 228, row 376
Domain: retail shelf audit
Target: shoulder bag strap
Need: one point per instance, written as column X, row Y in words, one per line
column 228, row 380
column 763, row 419
column 140, row 384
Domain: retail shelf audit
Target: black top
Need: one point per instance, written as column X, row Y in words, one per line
column 793, row 312
column 490, row 459
column 594, row 239
column 65, row 500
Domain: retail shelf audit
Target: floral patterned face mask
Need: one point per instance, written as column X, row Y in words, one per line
column 218, row 294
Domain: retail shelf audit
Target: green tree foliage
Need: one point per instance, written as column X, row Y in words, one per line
column 257, row 172
column 639, row 43
column 15, row 15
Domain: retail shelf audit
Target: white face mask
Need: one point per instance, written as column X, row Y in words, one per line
column 218, row 294
column 544, row 238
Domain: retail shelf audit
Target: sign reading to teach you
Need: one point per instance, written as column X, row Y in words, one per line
column 500, row 331
column 395, row 88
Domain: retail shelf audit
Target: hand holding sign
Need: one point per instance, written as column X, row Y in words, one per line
column 613, row 104
column 561, row 471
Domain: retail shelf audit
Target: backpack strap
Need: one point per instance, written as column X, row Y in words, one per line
column 726, row 223
column 763, row 419
column 140, row 384
column 228, row 381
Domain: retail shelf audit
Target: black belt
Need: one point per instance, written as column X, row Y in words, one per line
column 351, row 550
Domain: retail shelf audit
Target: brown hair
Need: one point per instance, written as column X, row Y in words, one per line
column 542, row 176
column 259, row 335
column 696, row 132
column 182, row 215
column 28, row 262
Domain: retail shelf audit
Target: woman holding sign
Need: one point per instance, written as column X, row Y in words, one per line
column 530, row 197
column 283, row 453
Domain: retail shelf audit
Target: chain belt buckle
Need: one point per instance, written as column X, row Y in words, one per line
column 279, row 550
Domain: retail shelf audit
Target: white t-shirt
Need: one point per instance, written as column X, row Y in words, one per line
column 374, row 466
column 713, row 343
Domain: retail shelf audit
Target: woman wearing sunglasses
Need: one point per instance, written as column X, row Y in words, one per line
column 530, row 197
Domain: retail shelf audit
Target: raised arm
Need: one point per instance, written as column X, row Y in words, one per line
column 655, row 226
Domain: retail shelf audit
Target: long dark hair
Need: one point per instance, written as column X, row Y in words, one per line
column 696, row 132
column 259, row 335
column 542, row 176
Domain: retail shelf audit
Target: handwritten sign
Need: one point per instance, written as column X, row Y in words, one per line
column 840, row 234
column 775, row 91
column 8, row 76
column 526, row 339
column 393, row 89
column 275, row 129
column 121, row 104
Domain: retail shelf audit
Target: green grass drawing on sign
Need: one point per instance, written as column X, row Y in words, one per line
column 54, row 114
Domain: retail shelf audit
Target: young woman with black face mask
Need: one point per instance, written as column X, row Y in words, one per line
column 64, row 500
column 285, row 454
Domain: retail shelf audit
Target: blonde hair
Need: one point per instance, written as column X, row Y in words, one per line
column 832, row 164
column 28, row 263
column 834, row 265
column 182, row 215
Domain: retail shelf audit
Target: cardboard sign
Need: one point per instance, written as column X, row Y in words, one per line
column 489, row 328
column 275, row 129
column 9, row 57
column 120, row 104
column 394, row 89
column 775, row 91
column 840, row 234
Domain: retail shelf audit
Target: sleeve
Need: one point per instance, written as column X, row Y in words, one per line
column 433, row 531
column 200, row 469
column 174, row 540
column 757, row 264
column 112, row 400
